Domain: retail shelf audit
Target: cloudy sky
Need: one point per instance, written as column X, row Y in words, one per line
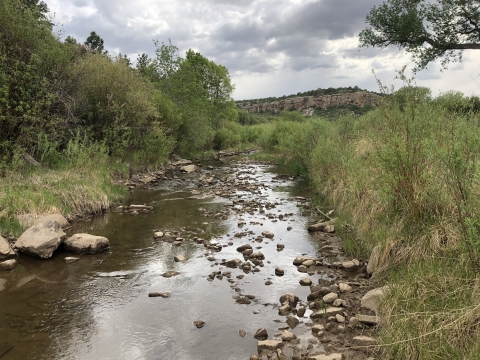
column 271, row 47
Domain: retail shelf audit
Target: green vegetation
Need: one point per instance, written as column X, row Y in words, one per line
column 428, row 30
column 63, row 103
column 405, row 177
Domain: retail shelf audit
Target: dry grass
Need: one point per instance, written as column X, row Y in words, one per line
column 72, row 192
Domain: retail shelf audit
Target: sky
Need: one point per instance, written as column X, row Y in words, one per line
column 270, row 47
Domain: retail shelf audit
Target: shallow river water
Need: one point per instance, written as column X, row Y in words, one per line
column 98, row 307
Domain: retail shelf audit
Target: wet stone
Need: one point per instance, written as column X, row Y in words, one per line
column 199, row 324
column 159, row 294
column 261, row 334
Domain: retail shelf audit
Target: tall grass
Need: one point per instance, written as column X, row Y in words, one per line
column 406, row 177
column 80, row 184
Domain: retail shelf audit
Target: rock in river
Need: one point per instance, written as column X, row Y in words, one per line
column 180, row 258
column 199, row 324
column 5, row 249
column 71, row 259
column 268, row 234
column 261, row 334
column 86, row 244
column 8, row 265
column 41, row 240
column 169, row 274
column 158, row 294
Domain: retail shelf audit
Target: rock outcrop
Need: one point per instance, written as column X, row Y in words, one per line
column 308, row 104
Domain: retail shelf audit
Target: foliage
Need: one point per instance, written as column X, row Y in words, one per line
column 426, row 29
column 95, row 43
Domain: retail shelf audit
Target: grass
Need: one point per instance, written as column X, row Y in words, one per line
column 82, row 184
column 406, row 178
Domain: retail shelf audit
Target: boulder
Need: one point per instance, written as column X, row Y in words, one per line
column 373, row 260
column 367, row 319
column 301, row 311
column 86, row 244
column 233, row 263
column 292, row 322
column 244, row 247
column 363, row 340
column 288, row 336
column 268, row 234
column 306, row 281
column 317, row 227
column 269, row 345
column 41, row 240
column 261, row 334
column 8, row 265
column 353, row 265
column 179, row 258
column 330, row 297
column 345, row 287
column 371, row 299
column 331, row 311
column 189, row 169
column 199, row 324
column 6, row 251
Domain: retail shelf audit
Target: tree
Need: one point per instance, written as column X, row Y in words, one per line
column 427, row 29
column 95, row 43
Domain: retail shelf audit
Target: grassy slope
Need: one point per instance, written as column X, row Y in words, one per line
column 406, row 177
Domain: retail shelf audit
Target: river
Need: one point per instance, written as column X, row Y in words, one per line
column 98, row 307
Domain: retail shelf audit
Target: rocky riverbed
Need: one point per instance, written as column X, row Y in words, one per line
column 212, row 260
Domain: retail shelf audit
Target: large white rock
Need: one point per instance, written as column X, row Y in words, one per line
column 5, row 249
column 41, row 240
column 86, row 244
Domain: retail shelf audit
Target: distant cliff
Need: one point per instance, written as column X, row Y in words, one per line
column 308, row 104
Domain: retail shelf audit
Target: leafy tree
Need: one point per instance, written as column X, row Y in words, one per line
column 426, row 29
column 95, row 43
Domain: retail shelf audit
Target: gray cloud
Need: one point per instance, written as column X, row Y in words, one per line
column 308, row 43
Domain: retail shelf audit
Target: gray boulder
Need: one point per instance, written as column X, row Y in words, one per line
column 5, row 249
column 41, row 240
column 86, row 244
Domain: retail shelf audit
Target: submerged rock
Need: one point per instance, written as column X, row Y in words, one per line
column 159, row 294
column 41, row 240
column 170, row 274
column 71, row 259
column 199, row 324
